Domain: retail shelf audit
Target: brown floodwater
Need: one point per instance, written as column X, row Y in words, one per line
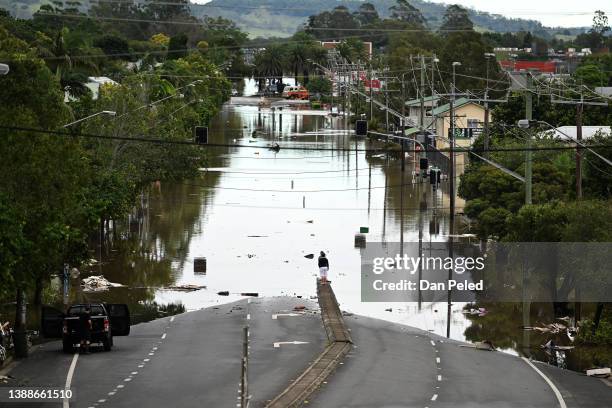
column 255, row 213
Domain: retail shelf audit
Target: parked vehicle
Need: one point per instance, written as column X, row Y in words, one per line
column 295, row 92
column 107, row 320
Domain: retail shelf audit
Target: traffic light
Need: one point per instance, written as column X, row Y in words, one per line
column 423, row 163
column 201, row 134
column 361, row 128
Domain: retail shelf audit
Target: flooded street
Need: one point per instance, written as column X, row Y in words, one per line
column 254, row 214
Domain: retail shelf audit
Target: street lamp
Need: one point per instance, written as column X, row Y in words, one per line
column 109, row 113
column 4, row 69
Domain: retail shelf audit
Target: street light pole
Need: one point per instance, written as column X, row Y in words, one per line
column 110, row 113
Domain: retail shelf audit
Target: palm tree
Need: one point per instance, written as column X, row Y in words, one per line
column 269, row 63
column 296, row 59
column 71, row 65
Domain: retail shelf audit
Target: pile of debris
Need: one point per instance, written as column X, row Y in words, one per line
column 98, row 284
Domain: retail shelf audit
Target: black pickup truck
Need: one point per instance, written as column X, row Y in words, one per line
column 107, row 320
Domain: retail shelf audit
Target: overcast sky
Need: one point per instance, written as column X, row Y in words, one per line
column 550, row 12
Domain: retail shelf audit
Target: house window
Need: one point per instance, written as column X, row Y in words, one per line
column 473, row 123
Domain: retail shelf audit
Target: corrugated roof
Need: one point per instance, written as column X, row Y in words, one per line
column 416, row 102
column 445, row 108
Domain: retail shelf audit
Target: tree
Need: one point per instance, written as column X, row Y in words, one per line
column 331, row 24
column 456, row 19
column 114, row 46
column 177, row 47
column 42, row 175
column 404, row 11
column 366, row 14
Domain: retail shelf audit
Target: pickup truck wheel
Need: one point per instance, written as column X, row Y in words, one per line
column 67, row 346
column 107, row 343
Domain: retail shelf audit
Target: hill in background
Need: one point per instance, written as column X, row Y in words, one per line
column 281, row 18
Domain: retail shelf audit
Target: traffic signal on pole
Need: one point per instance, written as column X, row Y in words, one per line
column 423, row 164
column 361, row 128
column 201, row 134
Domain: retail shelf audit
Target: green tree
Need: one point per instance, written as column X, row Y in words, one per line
column 456, row 19
column 366, row 14
column 404, row 11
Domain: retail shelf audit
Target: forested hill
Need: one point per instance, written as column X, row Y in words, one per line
column 283, row 17
column 268, row 18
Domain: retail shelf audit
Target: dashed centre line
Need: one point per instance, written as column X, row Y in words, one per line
column 435, row 397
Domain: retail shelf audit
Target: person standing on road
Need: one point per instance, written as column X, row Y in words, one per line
column 85, row 326
column 323, row 267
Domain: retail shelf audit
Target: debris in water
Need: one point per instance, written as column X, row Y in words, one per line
column 98, row 283
column 309, row 256
column 481, row 345
column 599, row 372
column 199, row 265
column 186, row 287
column 257, row 236
column 223, row 293
column 389, row 310
column 552, row 328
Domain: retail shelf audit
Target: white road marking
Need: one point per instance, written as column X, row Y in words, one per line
column 439, row 378
column 110, row 394
column 151, row 354
column 435, row 397
column 171, row 319
column 101, row 401
column 66, row 402
column 146, row 359
column 275, row 316
column 127, row 379
column 248, row 316
column 438, row 360
column 134, row 372
column 163, row 336
column 249, row 300
column 279, row 343
column 432, row 343
column 549, row 382
column 154, row 348
column 120, row 386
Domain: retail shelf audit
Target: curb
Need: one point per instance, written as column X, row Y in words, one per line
column 340, row 343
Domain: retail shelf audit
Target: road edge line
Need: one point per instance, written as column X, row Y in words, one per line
column 549, row 382
column 66, row 402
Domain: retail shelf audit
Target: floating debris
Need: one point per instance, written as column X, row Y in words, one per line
column 309, row 256
column 186, row 287
column 199, row 265
column 599, row 372
column 98, row 284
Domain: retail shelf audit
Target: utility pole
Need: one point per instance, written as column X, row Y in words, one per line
column 488, row 56
column 451, row 177
column 579, row 110
column 528, row 152
column 422, row 95
column 371, row 99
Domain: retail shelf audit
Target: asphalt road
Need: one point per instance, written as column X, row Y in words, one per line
column 193, row 360
column 395, row 366
column 190, row 360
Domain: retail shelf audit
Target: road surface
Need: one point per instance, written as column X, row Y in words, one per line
column 193, row 360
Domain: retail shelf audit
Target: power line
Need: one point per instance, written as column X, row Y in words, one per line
column 457, row 149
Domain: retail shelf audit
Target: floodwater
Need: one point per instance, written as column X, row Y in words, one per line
column 254, row 214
